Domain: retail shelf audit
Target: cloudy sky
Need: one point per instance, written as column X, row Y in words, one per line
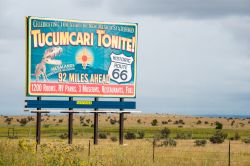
column 193, row 56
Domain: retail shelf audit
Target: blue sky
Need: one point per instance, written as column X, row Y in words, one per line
column 193, row 56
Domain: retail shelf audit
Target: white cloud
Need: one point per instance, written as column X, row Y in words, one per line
column 185, row 65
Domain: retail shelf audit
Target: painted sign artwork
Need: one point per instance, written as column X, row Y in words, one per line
column 78, row 58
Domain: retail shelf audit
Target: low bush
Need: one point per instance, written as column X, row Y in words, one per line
column 218, row 125
column 169, row 142
column 102, row 135
column 85, row 124
column 200, row 142
column 139, row 121
column 218, row 137
column 198, row 122
column 112, row 121
column 246, row 140
column 8, row 120
column 183, row 136
column 130, row 135
column 164, row 122
column 154, row 122
column 63, row 136
column 141, row 134
column 165, row 132
column 113, row 138
column 23, row 121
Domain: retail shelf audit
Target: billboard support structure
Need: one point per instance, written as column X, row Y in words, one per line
column 121, row 124
column 96, row 124
column 70, row 124
column 38, row 124
column 39, row 104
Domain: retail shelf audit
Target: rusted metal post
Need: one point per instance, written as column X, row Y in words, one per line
column 38, row 124
column 121, row 124
column 96, row 124
column 89, row 149
column 154, row 150
column 70, row 124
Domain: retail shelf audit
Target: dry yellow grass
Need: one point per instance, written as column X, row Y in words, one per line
column 134, row 152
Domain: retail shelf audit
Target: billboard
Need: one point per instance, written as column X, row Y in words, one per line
column 80, row 58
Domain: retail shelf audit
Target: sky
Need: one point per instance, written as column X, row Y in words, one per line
column 193, row 56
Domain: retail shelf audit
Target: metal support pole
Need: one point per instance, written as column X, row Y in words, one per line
column 121, row 123
column 96, row 124
column 229, row 154
column 38, row 124
column 70, row 124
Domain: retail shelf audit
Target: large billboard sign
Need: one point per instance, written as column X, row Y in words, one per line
column 80, row 58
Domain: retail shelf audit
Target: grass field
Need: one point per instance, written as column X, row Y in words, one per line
column 55, row 151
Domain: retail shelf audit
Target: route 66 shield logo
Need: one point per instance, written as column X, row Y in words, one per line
column 120, row 68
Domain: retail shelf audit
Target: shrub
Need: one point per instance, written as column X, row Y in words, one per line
column 218, row 137
column 112, row 121
column 102, row 135
column 139, row 121
column 113, row 138
column 165, row 132
column 183, row 136
column 30, row 118
column 206, row 122
column 246, row 140
column 46, row 126
column 181, row 122
column 176, row 122
column 154, row 122
column 130, row 135
column 60, row 120
column 87, row 120
column 23, row 121
column 169, row 142
column 200, row 142
column 63, row 136
column 141, row 134
column 85, row 124
column 82, row 118
column 198, row 122
column 164, row 122
column 8, row 120
column 218, row 125
column 242, row 124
